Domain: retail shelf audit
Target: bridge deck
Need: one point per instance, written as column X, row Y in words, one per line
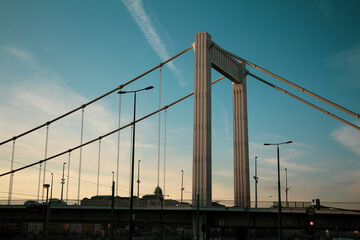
column 217, row 216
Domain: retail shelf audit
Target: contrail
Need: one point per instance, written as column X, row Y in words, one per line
column 137, row 11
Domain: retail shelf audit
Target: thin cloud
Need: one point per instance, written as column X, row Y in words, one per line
column 346, row 65
column 296, row 167
column 224, row 173
column 47, row 96
column 137, row 11
column 302, row 168
column 224, row 118
column 348, row 138
column 271, row 188
column 20, row 54
column 292, row 158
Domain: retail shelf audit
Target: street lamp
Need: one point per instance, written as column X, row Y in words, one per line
column 256, row 182
column 62, row 182
column 112, row 208
column 133, row 160
column 52, row 180
column 138, row 181
column 279, row 193
column 46, row 186
column 182, row 185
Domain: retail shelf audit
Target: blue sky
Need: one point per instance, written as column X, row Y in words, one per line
column 56, row 56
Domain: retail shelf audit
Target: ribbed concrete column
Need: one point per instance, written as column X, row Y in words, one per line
column 202, row 121
column 241, row 149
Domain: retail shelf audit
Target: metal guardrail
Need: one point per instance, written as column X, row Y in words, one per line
column 216, row 203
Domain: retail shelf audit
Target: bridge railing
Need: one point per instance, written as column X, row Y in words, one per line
column 187, row 203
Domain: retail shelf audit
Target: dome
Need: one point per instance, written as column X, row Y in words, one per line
column 158, row 191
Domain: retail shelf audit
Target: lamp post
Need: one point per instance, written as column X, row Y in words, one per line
column 62, row 182
column 133, row 160
column 138, row 180
column 182, row 185
column 256, row 182
column 279, row 193
column 112, row 208
column 46, row 186
column 286, row 188
column 51, row 185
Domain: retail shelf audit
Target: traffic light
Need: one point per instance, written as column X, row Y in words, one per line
column 309, row 226
column 317, row 204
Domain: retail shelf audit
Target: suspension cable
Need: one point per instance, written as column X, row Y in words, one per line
column 107, row 134
column 289, row 83
column 55, row 173
column 304, row 101
column 98, row 98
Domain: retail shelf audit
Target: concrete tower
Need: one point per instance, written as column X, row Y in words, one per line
column 208, row 55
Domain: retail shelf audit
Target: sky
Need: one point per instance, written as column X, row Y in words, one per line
column 56, row 56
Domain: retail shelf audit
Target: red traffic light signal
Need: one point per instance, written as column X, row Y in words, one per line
column 309, row 227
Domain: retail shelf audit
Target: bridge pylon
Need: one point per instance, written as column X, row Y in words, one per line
column 209, row 55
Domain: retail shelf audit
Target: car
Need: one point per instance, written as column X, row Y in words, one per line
column 57, row 202
column 34, row 206
column 217, row 204
column 183, row 204
column 31, row 203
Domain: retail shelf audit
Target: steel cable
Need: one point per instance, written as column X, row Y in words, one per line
column 96, row 99
column 304, row 101
column 289, row 83
column 105, row 135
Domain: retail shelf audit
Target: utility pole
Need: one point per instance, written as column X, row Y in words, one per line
column 52, row 180
column 47, row 214
column 62, row 182
column 182, row 185
column 286, row 188
column 112, row 208
column 256, row 182
column 138, row 180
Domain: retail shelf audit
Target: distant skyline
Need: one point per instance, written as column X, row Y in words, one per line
column 55, row 57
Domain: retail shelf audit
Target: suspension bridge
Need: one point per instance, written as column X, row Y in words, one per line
column 208, row 55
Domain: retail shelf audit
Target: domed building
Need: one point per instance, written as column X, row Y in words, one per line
column 158, row 192
column 157, row 195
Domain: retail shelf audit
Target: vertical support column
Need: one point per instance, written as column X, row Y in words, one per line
column 241, row 144
column 202, row 121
